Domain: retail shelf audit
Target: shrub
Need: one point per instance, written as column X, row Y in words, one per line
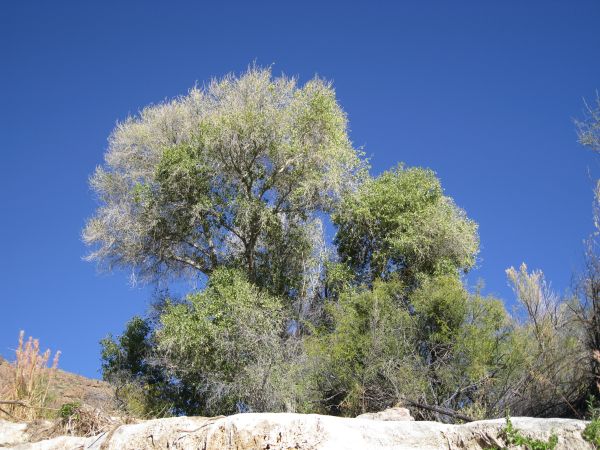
column 68, row 411
column 223, row 350
column 438, row 346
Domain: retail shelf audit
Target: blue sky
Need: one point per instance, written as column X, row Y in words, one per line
column 484, row 93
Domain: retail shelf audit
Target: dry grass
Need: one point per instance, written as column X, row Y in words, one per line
column 75, row 419
column 33, row 389
column 25, row 396
column 83, row 420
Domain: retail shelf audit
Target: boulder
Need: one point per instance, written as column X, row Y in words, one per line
column 12, row 433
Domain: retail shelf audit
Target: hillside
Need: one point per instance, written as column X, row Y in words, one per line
column 68, row 387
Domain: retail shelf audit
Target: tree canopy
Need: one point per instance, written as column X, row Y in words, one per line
column 229, row 174
column 402, row 222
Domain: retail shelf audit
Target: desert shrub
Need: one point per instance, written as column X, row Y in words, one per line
column 28, row 387
column 130, row 364
column 366, row 337
column 222, row 350
column 68, row 410
column 437, row 346
column 591, row 433
column 551, row 377
column 223, row 343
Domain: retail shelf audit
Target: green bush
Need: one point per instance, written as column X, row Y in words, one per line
column 381, row 346
column 69, row 411
column 591, row 433
column 514, row 437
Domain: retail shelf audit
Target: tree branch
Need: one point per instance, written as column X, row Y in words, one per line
column 440, row 410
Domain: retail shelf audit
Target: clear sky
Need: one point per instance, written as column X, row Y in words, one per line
column 484, row 93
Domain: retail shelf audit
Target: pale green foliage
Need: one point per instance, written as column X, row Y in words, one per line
column 402, row 222
column 229, row 174
column 514, row 437
column 232, row 181
column 438, row 346
column 588, row 129
column 464, row 342
column 549, row 350
column 369, row 337
column 544, row 309
column 226, row 345
column 228, row 307
column 588, row 287
column 591, row 433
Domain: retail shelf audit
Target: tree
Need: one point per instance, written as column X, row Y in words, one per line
column 131, row 365
column 401, row 222
column 588, row 313
column 228, row 175
column 231, row 182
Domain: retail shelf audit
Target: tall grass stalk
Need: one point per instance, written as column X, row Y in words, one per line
column 30, row 381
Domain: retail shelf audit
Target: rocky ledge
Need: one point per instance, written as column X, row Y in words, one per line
column 279, row 431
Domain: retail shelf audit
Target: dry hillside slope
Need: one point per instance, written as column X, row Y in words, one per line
column 68, row 387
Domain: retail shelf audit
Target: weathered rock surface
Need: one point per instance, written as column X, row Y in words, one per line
column 302, row 431
column 388, row 414
column 12, row 433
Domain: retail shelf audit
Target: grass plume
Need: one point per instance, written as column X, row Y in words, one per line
column 26, row 395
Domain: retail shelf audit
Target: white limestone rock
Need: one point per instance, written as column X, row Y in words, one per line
column 388, row 414
column 281, row 431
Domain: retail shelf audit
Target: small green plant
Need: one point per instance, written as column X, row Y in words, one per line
column 513, row 437
column 69, row 411
column 591, row 433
